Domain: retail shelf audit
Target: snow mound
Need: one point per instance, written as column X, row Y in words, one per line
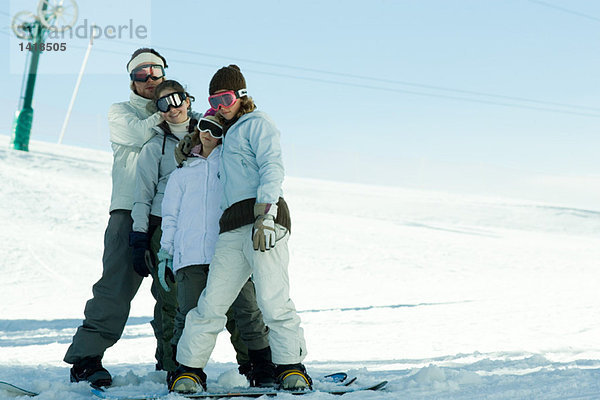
column 232, row 379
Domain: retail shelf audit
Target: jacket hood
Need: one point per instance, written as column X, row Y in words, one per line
column 252, row 115
column 191, row 161
column 234, row 123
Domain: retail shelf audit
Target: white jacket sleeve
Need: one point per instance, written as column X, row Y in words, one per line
column 146, row 180
column 171, row 206
column 195, row 114
column 127, row 128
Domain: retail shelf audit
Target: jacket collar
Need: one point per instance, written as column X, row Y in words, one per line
column 163, row 128
column 161, row 131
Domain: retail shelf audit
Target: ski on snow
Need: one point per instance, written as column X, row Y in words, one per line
column 18, row 391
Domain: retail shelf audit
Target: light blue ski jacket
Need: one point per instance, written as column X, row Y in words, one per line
column 252, row 164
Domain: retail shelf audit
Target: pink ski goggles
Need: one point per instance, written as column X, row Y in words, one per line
column 225, row 99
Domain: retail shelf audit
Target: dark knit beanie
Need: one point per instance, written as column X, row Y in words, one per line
column 227, row 78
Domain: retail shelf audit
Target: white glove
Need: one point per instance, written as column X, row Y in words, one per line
column 263, row 232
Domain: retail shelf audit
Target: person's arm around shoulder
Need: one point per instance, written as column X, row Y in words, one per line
column 127, row 128
column 195, row 115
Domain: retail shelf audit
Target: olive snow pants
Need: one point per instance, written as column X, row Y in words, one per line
column 107, row 311
column 164, row 311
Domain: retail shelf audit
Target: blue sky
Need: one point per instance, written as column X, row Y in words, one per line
column 458, row 95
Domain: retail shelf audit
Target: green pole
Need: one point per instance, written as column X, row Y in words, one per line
column 21, row 129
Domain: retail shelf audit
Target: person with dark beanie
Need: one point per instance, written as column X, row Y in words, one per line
column 254, row 231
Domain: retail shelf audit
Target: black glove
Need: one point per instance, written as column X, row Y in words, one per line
column 142, row 257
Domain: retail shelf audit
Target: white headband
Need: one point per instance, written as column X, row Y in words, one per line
column 144, row 58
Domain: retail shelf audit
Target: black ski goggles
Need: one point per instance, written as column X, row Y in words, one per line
column 175, row 100
column 211, row 126
column 147, row 71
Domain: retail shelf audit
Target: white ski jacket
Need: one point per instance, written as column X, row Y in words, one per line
column 130, row 124
column 191, row 212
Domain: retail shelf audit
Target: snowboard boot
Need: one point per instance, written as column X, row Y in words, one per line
column 245, row 369
column 170, row 378
column 90, row 369
column 171, row 374
column 188, row 380
column 293, row 377
column 263, row 370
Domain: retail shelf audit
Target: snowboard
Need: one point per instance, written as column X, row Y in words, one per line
column 17, row 391
column 252, row 392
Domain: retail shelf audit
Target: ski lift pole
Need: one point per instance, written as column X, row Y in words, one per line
column 76, row 90
column 24, row 117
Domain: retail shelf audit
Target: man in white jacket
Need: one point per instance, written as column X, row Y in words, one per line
column 106, row 313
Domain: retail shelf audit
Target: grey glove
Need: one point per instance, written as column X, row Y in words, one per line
column 151, row 107
column 185, row 146
column 263, row 232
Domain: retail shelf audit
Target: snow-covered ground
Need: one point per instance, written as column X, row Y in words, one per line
column 446, row 296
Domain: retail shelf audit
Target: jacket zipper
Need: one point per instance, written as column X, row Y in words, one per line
column 206, row 206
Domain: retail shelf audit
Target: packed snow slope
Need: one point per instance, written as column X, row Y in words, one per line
column 446, row 296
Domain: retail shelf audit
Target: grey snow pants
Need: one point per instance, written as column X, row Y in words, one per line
column 107, row 311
